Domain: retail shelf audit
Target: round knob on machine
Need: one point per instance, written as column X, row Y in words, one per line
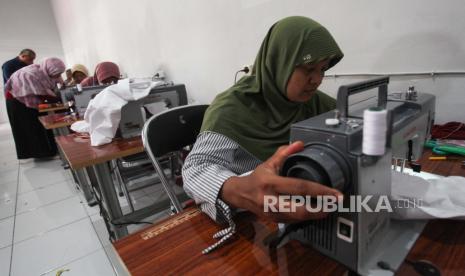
column 332, row 122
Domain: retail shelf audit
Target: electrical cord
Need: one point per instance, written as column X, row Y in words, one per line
column 385, row 266
column 245, row 70
column 106, row 218
column 423, row 267
column 274, row 239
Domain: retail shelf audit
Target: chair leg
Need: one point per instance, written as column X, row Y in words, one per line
column 118, row 183
column 172, row 166
column 166, row 185
column 122, row 185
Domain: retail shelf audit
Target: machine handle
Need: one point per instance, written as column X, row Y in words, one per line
column 345, row 91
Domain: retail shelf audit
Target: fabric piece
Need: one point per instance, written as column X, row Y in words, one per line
column 154, row 108
column 440, row 197
column 255, row 112
column 35, row 80
column 81, row 127
column 450, row 130
column 32, row 140
column 103, row 113
column 8, row 95
column 225, row 234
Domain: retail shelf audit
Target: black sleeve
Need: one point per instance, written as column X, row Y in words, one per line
column 8, row 70
column 6, row 76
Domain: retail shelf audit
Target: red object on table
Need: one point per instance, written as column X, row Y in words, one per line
column 450, row 130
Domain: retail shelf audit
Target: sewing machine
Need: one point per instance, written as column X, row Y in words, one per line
column 333, row 157
column 135, row 113
column 66, row 94
column 80, row 98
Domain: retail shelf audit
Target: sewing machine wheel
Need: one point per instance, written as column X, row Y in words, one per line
column 321, row 164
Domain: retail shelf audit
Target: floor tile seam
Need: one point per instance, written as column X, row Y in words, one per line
column 14, row 222
column 49, row 230
column 70, row 262
column 44, row 187
column 49, row 184
column 3, row 247
column 9, row 217
column 45, row 205
column 103, row 247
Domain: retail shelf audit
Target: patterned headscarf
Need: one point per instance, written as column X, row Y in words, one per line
column 35, row 80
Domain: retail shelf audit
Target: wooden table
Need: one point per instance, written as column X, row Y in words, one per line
column 173, row 247
column 54, row 121
column 59, row 124
column 51, row 110
column 81, row 154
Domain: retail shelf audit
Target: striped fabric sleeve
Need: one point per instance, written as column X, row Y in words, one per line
column 213, row 159
column 205, row 170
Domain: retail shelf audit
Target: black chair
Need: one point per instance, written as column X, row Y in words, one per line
column 170, row 132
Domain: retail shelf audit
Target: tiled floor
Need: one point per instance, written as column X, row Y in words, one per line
column 45, row 224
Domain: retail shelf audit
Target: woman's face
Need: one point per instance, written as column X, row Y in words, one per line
column 304, row 81
column 78, row 76
column 109, row 80
column 69, row 75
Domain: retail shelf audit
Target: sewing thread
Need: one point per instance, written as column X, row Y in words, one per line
column 374, row 131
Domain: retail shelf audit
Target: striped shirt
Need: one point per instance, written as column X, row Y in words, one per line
column 213, row 160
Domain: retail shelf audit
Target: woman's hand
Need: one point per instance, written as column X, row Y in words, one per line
column 248, row 192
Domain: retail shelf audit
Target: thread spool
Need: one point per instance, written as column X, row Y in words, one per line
column 374, row 131
column 79, row 87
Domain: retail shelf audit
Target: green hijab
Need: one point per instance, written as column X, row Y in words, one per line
column 255, row 112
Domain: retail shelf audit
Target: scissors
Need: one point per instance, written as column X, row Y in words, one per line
column 444, row 149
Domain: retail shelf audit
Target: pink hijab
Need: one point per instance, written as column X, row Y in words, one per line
column 35, row 80
column 103, row 70
column 89, row 81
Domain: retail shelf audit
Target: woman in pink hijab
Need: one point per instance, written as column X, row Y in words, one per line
column 106, row 73
column 25, row 90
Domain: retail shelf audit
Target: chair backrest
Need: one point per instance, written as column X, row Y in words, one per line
column 172, row 129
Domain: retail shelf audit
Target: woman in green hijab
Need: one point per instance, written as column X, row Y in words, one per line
column 247, row 127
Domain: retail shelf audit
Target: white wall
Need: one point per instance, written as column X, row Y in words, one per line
column 27, row 24
column 202, row 43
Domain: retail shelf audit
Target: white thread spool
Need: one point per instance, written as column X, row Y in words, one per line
column 374, row 131
column 79, row 87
